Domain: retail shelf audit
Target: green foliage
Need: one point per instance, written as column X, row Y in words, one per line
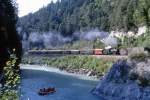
column 11, row 76
column 142, row 40
column 12, row 79
column 98, row 44
column 146, row 40
column 67, row 16
column 8, row 95
column 99, row 66
column 9, row 40
column 139, row 56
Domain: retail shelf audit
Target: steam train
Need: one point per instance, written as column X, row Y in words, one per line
column 106, row 51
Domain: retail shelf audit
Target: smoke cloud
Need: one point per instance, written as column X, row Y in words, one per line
column 91, row 35
column 110, row 41
column 49, row 40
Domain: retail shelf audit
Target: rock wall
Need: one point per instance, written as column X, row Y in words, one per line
column 126, row 80
column 120, row 33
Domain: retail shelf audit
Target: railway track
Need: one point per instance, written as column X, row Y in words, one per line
column 98, row 53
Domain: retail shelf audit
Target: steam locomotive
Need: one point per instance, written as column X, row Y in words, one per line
column 106, row 51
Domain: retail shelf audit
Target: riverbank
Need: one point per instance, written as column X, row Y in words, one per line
column 85, row 65
column 56, row 70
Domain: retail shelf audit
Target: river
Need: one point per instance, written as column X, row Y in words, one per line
column 68, row 86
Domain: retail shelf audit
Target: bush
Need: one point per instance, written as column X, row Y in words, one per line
column 8, row 95
column 89, row 63
column 138, row 56
column 10, row 80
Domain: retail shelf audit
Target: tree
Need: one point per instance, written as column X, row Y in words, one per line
column 69, row 16
column 9, row 38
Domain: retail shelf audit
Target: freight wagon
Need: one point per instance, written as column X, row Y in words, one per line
column 110, row 51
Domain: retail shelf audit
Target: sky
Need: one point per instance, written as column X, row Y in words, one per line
column 30, row 6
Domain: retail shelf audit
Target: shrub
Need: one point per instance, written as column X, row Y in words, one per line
column 138, row 56
column 8, row 95
column 11, row 80
column 93, row 64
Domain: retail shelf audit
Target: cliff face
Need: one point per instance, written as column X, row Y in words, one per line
column 126, row 80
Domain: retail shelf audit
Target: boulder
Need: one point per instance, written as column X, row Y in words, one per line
column 126, row 80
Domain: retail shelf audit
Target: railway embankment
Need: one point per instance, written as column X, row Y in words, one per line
column 79, row 64
column 111, row 57
column 127, row 79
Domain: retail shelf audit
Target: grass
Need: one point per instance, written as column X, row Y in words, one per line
column 98, row 66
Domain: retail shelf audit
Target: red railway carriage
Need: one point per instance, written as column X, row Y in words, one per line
column 98, row 51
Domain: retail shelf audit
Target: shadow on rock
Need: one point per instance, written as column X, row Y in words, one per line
column 126, row 80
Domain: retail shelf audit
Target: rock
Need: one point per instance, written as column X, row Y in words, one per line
column 126, row 80
column 119, row 72
column 89, row 73
column 141, row 73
